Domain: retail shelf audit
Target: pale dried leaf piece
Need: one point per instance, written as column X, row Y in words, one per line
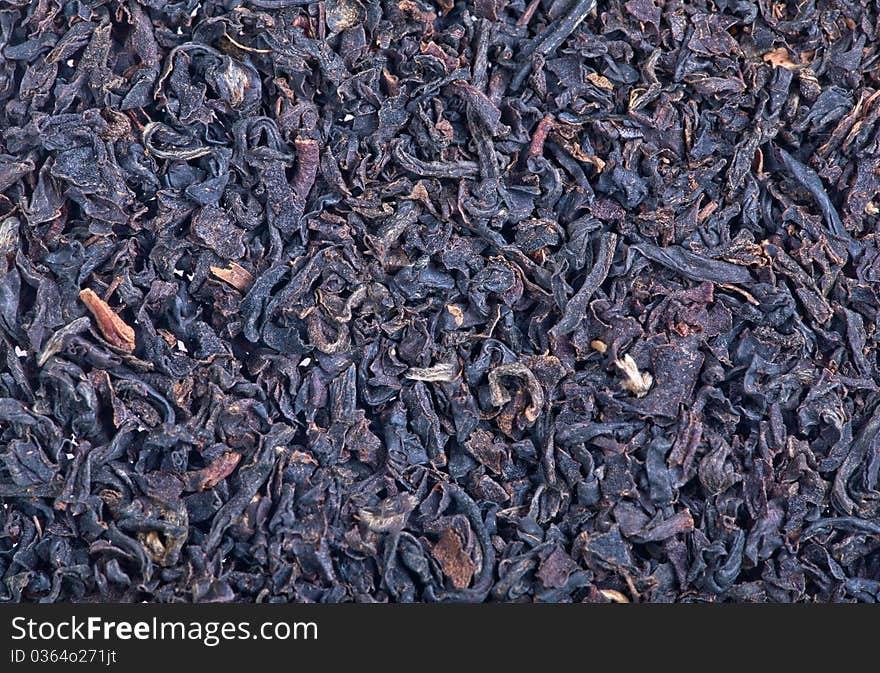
column 638, row 383
column 614, row 596
column 111, row 325
column 389, row 515
column 236, row 276
column 456, row 313
column 442, row 372
column 600, row 81
column 419, row 192
column 600, row 346
column 780, row 57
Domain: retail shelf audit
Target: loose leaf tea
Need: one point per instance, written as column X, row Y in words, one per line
column 402, row 300
column 115, row 331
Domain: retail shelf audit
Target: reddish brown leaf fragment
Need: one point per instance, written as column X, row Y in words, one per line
column 453, row 560
column 111, row 325
column 556, row 568
column 208, row 477
column 536, row 146
column 308, row 156
column 236, row 276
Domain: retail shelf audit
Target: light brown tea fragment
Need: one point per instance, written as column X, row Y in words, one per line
column 237, row 276
column 111, row 325
column 781, row 58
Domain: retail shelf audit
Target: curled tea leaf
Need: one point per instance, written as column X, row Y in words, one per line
column 501, row 396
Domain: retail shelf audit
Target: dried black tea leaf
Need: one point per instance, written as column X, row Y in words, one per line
column 401, row 301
